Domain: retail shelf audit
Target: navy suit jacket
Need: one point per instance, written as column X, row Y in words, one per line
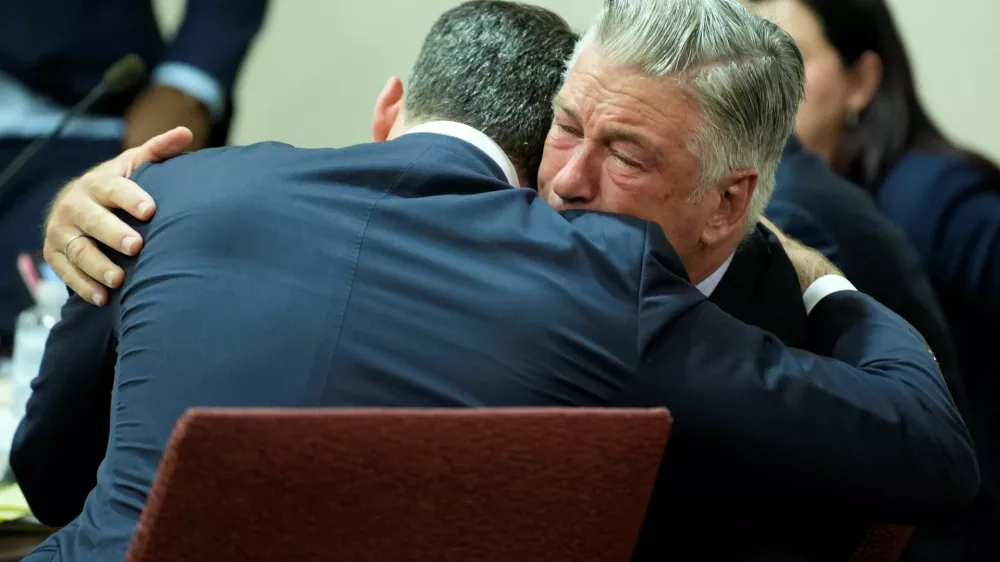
column 761, row 288
column 408, row 273
column 812, row 203
column 950, row 210
column 61, row 48
column 824, row 211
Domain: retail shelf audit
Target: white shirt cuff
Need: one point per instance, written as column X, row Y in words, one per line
column 822, row 288
column 194, row 82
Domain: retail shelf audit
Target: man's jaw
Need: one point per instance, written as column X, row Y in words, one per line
column 709, row 258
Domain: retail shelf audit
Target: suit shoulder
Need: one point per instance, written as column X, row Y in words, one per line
column 811, row 195
column 636, row 248
column 925, row 178
column 599, row 223
column 930, row 167
column 213, row 160
column 620, row 235
column 924, row 190
column 276, row 156
column 805, row 176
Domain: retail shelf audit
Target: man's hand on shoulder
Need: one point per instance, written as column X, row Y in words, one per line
column 810, row 265
column 83, row 212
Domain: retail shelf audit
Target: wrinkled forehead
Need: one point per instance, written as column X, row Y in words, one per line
column 602, row 95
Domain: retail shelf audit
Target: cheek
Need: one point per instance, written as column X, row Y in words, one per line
column 624, row 195
column 823, row 105
column 646, row 200
column 554, row 157
column 680, row 220
column 667, row 202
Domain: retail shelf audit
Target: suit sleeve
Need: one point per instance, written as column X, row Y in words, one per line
column 64, row 435
column 871, row 429
column 952, row 214
column 215, row 36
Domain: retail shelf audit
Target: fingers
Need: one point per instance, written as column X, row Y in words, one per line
column 85, row 207
column 115, row 192
column 770, row 225
column 161, row 147
column 93, row 219
column 108, row 185
column 74, row 278
column 84, row 254
column 773, row 228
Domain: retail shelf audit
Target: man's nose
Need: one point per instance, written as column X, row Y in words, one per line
column 576, row 183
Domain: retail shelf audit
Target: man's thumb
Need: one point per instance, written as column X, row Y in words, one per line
column 161, row 147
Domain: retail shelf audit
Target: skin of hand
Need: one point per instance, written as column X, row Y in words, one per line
column 162, row 108
column 809, row 264
column 83, row 212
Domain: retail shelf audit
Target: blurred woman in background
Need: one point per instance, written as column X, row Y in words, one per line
column 862, row 115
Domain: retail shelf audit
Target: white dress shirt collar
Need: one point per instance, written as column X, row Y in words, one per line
column 712, row 281
column 817, row 291
column 474, row 137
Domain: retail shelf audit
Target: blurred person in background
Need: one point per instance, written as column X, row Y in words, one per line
column 53, row 52
column 862, row 115
column 821, row 209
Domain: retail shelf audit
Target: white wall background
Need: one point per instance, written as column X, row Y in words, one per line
column 313, row 74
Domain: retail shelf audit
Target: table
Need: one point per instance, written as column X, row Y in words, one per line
column 15, row 542
column 16, row 545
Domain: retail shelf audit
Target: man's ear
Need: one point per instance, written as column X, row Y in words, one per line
column 388, row 109
column 734, row 191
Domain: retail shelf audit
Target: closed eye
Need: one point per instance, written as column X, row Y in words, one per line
column 628, row 161
column 569, row 130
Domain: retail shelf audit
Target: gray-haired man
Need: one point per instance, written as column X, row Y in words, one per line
column 644, row 132
column 678, row 112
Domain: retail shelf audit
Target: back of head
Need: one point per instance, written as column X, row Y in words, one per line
column 495, row 66
column 746, row 73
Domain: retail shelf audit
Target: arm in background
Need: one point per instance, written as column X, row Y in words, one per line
column 212, row 41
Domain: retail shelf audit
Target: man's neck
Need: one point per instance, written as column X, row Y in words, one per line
column 708, row 268
column 474, row 137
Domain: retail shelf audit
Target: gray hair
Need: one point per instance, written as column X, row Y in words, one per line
column 494, row 66
column 747, row 74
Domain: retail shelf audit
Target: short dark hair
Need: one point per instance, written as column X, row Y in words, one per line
column 494, row 66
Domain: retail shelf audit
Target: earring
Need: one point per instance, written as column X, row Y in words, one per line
column 852, row 119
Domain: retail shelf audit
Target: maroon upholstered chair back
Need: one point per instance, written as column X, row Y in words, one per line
column 396, row 485
column 883, row 543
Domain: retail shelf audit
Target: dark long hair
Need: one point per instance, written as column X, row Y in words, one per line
column 894, row 122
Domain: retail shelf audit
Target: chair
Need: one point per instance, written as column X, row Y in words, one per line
column 884, row 543
column 396, row 485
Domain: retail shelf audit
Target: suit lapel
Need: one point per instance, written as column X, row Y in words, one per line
column 735, row 291
column 761, row 288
